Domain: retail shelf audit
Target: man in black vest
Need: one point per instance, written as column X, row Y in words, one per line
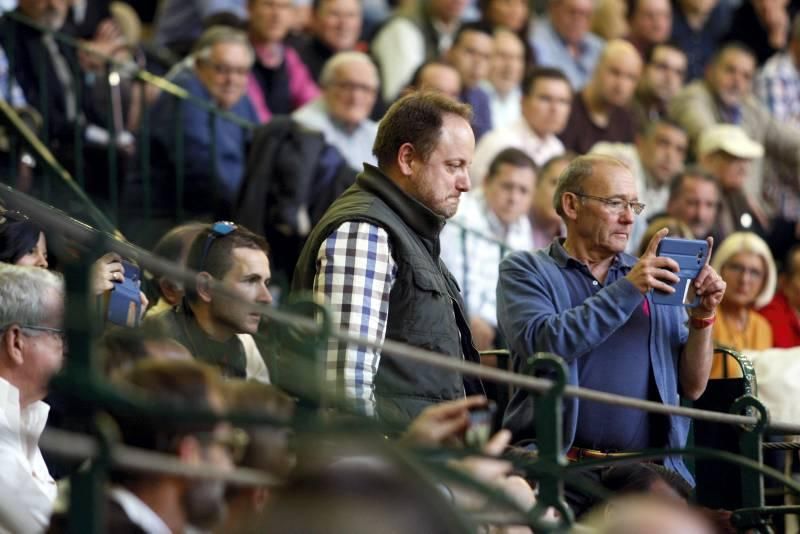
column 374, row 260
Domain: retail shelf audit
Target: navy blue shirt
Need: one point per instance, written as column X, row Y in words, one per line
column 620, row 365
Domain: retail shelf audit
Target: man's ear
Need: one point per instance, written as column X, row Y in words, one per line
column 13, row 343
column 203, row 286
column 405, row 159
column 569, row 205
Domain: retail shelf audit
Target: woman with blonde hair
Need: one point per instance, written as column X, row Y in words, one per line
column 745, row 263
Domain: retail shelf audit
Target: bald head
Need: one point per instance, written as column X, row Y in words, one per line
column 617, row 73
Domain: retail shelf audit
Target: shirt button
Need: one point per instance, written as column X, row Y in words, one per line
column 594, row 283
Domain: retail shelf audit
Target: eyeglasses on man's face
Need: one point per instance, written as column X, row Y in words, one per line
column 615, row 205
column 56, row 332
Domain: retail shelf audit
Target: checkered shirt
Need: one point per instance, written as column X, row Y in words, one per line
column 355, row 275
column 778, row 87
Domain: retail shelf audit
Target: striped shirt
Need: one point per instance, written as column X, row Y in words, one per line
column 355, row 275
column 778, row 87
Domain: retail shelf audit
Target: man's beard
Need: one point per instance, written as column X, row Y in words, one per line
column 204, row 503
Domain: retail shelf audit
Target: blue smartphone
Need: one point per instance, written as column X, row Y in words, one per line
column 690, row 254
column 124, row 304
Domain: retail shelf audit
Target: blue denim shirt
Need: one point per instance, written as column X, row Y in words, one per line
column 552, row 51
column 534, row 314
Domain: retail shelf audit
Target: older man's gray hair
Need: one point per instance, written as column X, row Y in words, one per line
column 344, row 58
column 26, row 294
column 574, row 176
column 221, row 34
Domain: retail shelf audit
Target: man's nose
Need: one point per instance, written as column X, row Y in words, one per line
column 264, row 295
column 463, row 182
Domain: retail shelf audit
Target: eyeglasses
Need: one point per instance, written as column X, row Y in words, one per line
column 741, row 270
column 218, row 229
column 615, row 205
column 222, row 69
column 58, row 332
column 354, row 86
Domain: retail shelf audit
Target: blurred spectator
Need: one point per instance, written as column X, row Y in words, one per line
column 676, row 228
column 31, row 352
column 498, row 211
column 563, row 40
column 436, row 75
column 280, row 82
column 350, row 87
column 662, row 78
column 22, row 241
column 694, row 200
column 726, row 153
column 217, row 329
column 745, row 263
column 267, row 448
column 698, row 27
column 646, row 479
column 180, row 22
column 512, row 15
column 646, row 515
column 506, row 70
column 783, row 312
column 726, row 97
column 649, row 23
column 423, row 31
column 119, row 349
column 599, row 111
column 335, row 27
column 173, row 246
column 378, row 244
column 470, row 55
column 609, row 19
column 546, row 223
column 545, row 108
column 762, row 26
column 213, row 165
column 657, row 156
column 778, row 82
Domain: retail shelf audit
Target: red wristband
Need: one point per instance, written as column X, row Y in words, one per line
column 698, row 323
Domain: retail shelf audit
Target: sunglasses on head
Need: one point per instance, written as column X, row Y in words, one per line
column 218, row 229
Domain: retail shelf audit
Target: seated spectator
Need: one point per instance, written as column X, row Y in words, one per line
column 280, row 82
column 649, row 24
column 335, row 27
column 609, row 19
column 726, row 153
column 562, row 40
column 545, row 108
column 119, row 349
column 180, row 22
column 778, row 82
column 655, row 159
column 637, row 514
column 762, row 26
column 599, row 110
column 694, row 201
column 745, row 263
column 725, row 96
column 173, row 246
column 215, row 328
column 161, row 503
column 497, row 212
column 546, row 223
column 222, row 61
column 676, row 228
column 698, row 28
column 350, row 87
column 470, row 55
column 438, row 76
column 662, row 78
column 783, row 313
column 503, row 85
column 512, row 15
column 423, row 31
column 22, row 241
column 31, row 352
column 267, row 448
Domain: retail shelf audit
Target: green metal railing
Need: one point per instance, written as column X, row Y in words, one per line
column 550, row 469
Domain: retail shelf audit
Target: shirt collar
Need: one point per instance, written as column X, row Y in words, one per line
column 31, row 420
column 563, row 259
column 138, row 512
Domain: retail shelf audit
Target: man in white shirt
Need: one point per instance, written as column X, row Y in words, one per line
column 31, row 352
column 506, row 70
column 350, row 87
column 545, row 109
column 489, row 223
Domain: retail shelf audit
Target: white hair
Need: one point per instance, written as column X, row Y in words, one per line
column 26, row 293
column 220, row 34
column 340, row 59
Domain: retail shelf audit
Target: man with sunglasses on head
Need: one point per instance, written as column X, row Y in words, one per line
column 585, row 300
column 31, row 352
column 217, row 329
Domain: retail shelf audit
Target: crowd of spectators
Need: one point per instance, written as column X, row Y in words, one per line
column 455, row 175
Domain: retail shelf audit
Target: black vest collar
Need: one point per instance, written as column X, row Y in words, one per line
column 415, row 214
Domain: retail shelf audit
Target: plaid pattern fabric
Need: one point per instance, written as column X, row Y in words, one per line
column 355, row 274
column 778, row 87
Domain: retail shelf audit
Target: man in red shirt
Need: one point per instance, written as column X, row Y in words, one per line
column 783, row 313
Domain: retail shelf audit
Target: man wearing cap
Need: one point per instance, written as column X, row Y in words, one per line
column 725, row 97
column 727, row 153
